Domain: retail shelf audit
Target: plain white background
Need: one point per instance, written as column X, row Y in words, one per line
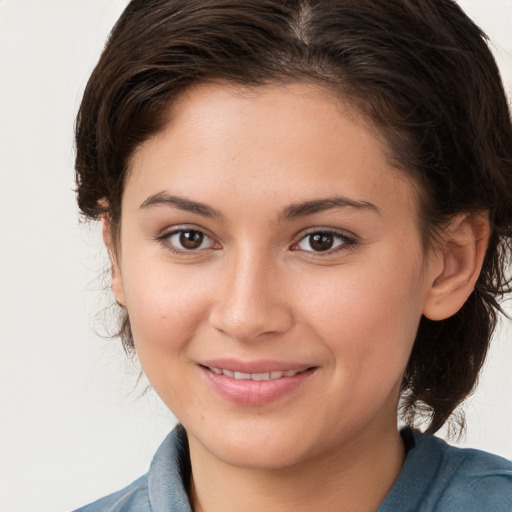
column 73, row 425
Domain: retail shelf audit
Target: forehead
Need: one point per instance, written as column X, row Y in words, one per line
column 283, row 142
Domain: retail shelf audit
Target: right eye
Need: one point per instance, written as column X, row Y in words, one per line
column 187, row 240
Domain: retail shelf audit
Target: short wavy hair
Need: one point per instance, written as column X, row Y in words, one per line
column 419, row 70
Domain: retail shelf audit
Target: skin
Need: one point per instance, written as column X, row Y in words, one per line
column 256, row 289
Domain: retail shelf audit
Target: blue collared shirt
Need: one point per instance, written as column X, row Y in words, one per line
column 436, row 477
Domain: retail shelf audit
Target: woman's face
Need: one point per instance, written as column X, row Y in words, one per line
column 271, row 265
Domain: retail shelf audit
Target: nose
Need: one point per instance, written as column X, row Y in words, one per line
column 251, row 301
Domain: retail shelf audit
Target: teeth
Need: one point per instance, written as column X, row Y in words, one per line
column 254, row 376
column 260, row 376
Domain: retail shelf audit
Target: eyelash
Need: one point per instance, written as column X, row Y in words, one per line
column 165, row 240
column 345, row 242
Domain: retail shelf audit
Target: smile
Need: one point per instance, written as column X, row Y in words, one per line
column 255, row 388
column 254, row 376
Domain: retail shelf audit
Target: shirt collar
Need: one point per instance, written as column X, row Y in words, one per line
column 169, row 474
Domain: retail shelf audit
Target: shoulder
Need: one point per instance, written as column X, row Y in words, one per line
column 462, row 478
column 476, row 477
column 162, row 488
column 466, row 461
column 133, row 498
column 437, row 477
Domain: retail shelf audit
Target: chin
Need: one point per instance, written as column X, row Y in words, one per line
column 259, row 457
column 253, row 448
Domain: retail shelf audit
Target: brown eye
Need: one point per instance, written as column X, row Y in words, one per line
column 184, row 240
column 191, row 239
column 321, row 241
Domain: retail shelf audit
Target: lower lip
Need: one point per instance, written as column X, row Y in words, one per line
column 254, row 392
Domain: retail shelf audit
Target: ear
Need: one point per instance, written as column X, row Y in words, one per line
column 460, row 256
column 117, row 280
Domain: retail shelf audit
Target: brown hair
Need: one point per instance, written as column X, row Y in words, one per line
column 420, row 70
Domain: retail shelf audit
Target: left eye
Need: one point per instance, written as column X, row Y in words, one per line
column 189, row 240
column 322, row 241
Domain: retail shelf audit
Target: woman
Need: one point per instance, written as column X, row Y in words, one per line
column 308, row 209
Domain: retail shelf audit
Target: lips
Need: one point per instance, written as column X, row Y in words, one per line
column 254, row 383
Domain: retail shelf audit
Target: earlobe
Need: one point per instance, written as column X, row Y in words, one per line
column 117, row 280
column 460, row 254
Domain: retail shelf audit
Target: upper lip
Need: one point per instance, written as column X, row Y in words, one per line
column 261, row 366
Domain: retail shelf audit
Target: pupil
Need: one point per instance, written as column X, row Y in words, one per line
column 321, row 241
column 191, row 239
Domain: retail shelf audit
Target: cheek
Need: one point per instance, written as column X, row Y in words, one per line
column 369, row 319
column 165, row 310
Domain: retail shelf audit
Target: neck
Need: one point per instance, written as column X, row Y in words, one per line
column 356, row 477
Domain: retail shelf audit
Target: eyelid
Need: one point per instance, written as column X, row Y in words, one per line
column 349, row 241
column 165, row 236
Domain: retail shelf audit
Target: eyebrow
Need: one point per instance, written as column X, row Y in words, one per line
column 162, row 198
column 319, row 205
column 293, row 211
